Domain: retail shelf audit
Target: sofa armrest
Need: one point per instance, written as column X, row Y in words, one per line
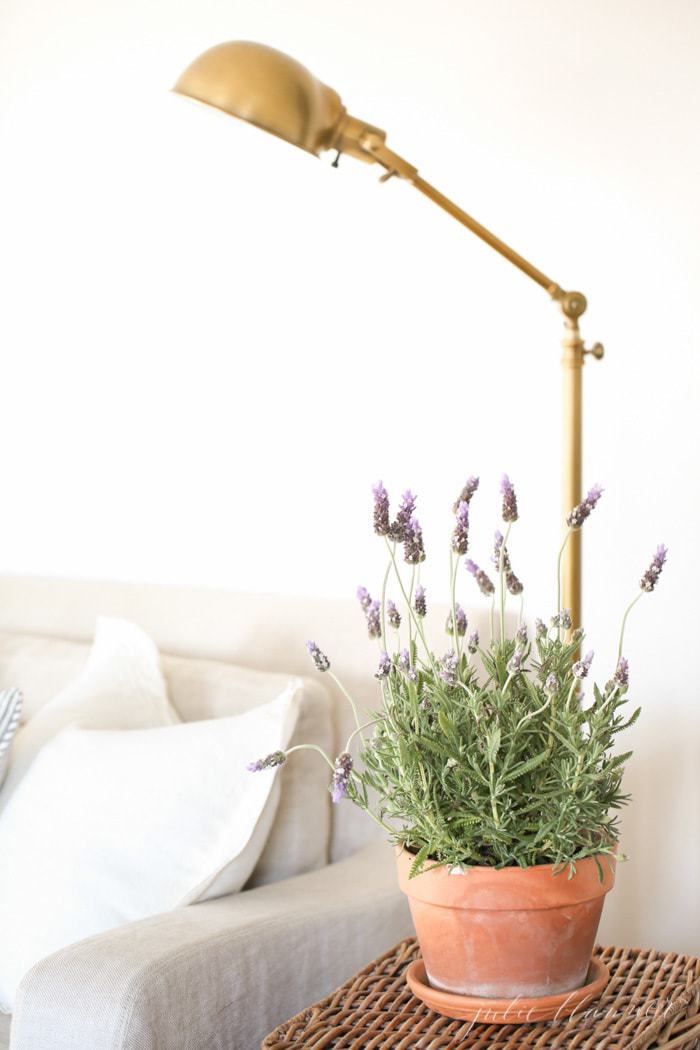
column 218, row 975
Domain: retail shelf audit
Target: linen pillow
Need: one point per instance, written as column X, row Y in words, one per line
column 10, row 711
column 108, row 827
column 120, row 687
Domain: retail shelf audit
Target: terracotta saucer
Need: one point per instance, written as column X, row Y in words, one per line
column 507, row 1011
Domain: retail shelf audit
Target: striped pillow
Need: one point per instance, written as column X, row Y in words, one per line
column 10, row 711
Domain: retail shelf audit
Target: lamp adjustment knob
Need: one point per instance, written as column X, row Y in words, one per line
column 597, row 351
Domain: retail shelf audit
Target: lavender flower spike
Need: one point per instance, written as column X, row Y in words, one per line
column 497, row 548
column 651, row 576
column 374, row 626
column 419, row 604
column 384, row 668
column 551, row 683
column 413, row 549
column 509, row 509
column 341, row 777
column 364, row 597
column 473, row 642
column 465, row 496
column 393, row 615
column 320, row 659
column 485, row 585
column 622, row 676
column 400, row 528
column 515, row 663
column 582, row 667
column 448, row 668
column 277, row 758
column 581, row 511
column 381, row 509
column 460, row 536
column 461, row 621
column 513, row 584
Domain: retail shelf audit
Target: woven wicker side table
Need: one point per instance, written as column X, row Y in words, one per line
column 652, row 1001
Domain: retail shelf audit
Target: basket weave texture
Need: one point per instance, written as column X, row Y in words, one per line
column 652, row 1001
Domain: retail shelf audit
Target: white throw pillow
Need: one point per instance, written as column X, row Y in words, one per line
column 120, row 687
column 10, row 711
column 109, row 827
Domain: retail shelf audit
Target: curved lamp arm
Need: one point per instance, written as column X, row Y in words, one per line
column 267, row 88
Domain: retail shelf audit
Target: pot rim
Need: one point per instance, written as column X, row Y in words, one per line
column 493, row 870
column 507, row 889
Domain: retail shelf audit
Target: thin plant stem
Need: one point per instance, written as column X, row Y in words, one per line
column 628, row 610
column 349, row 699
column 501, row 576
column 386, row 577
column 410, row 598
column 310, row 747
column 454, row 566
column 559, row 559
column 355, row 732
column 416, row 621
column 493, row 610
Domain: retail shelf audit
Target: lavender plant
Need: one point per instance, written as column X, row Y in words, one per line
column 508, row 764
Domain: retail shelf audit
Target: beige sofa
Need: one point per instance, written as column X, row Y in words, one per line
column 219, row 975
column 222, row 974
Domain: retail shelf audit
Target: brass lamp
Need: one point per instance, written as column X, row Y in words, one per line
column 271, row 90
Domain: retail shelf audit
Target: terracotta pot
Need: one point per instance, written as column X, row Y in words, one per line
column 508, row 932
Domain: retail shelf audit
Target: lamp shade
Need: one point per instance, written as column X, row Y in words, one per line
column 267, row 88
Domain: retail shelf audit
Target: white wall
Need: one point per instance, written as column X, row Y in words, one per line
column 213, row 344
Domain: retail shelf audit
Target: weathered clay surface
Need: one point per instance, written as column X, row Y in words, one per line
column 502, row 934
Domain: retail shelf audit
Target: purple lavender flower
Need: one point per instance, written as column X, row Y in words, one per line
column 497, row 548
column 577, row 635
column 460, row 536
column 581, row 511
column 582, row 667
column 320, row 659
column 515, row 663
column 419, row 604
column 384, row 668
column 381, row 509
column 473, row 642
column 404, row 663
column 565, row 619
column 465, row 496
column 485, row 585
column 413, row 550
column 399, row 529
column 622, row 676
column 551, row 684
column 364, row 597
column 341, row 777
column 461, row 621
column 374, row 625
column 393, row 615
column 425, row 704
column 509, row 509
column 513, row 583
column 277, row 758
column 521, row 635
column 651, row 576
column 540, row 628
column 448, row 668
